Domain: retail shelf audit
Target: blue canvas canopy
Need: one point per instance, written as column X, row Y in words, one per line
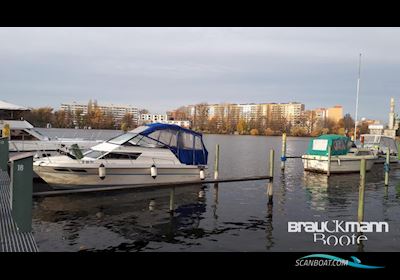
column 186, row 144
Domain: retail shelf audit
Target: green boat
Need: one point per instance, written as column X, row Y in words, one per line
column 337, row 154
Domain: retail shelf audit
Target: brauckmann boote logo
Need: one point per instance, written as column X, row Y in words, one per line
column 329, row 260
column 338, row 233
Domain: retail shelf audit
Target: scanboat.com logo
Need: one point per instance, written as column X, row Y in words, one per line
column 329, row 260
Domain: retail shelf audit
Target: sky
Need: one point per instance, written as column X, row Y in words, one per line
column 163, row 68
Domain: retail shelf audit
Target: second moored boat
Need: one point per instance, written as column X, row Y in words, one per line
column 335, row 153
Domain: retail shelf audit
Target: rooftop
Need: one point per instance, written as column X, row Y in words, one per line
column 12, row 107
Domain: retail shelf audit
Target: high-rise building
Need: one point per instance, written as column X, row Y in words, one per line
column 290, row 112
column 118, row 111
column 334, row 113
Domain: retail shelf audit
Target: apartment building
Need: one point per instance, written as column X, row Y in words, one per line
column 162, row 118
column 291, row 112
column 118, row 111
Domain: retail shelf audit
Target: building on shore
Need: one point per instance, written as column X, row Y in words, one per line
column 394, row 122
column 290, row 112
column 333, row 114
column 117, row 111
column 162, row 118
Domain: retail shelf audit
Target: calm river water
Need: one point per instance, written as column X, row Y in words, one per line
column 233, row 217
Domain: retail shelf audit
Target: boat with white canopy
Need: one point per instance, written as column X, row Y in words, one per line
column 380, row 144
column 153, row 153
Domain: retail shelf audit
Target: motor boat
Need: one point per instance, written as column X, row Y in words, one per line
column 379, row 144
column 25, row 138
column 344, row 158
column 149, row 154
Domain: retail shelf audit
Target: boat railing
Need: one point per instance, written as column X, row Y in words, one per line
column 42, row 150
column 15, row 146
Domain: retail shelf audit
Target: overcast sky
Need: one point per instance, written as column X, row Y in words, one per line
column 163, row 68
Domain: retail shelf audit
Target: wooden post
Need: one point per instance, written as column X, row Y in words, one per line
column 271, row 173
column 283, row 156
column 172, row 200
column 216, row 193
column 361, row 190
column 4, row 153
column 386, row 166
column 216, row 163
column 328, row 172
column 398, row 150
column 271, row 162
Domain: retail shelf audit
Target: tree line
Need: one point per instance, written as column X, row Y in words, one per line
column 94, row 119
column 229, row 123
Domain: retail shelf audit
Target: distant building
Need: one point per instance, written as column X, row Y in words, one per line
column 162, row 118
column 375, row 129
column 334, row 114
column 152, row 118
column 290, row 112
column 118, row 111
column 184, row 123
column 393, row 124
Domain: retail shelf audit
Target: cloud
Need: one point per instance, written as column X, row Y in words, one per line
column 163, row 68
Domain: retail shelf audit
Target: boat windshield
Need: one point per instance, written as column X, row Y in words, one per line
column 119, row 140
column 371, row 139
column 94, row 154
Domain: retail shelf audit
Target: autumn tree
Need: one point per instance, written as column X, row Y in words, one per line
column 40, row 117
column 127, row 122
column 254, row 131
column 200, row 116
column 241, row 127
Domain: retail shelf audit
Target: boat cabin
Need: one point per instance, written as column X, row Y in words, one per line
column 185, row 144
column 340, row 145
column 380, row 143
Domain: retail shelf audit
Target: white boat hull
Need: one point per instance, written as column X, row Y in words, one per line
column 338, row 164
column 89, row 177
column 382, row 159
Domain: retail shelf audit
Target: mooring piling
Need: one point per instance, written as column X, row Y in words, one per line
column 328, row 172
column 386, row 167
column 271, row 174
column 172, row 200
column 21, row 190
column 4, row 153
column 16, row 202
column 283, row 155
column 216, row 189
column 271, row 162
column 216, row 162
column 361, row 190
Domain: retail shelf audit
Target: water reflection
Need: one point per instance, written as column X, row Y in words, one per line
column 132, row 219
column 269, row 227
column 225, row 217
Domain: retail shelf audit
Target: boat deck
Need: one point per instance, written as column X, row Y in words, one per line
column 11, row 240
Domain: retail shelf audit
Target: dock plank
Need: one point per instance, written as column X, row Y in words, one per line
column 11, row 240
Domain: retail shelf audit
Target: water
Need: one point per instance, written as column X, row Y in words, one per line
column 237, row 219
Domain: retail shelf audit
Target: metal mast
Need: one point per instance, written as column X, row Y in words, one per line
column 358, row 91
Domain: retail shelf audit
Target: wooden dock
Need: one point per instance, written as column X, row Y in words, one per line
column 11, row 240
